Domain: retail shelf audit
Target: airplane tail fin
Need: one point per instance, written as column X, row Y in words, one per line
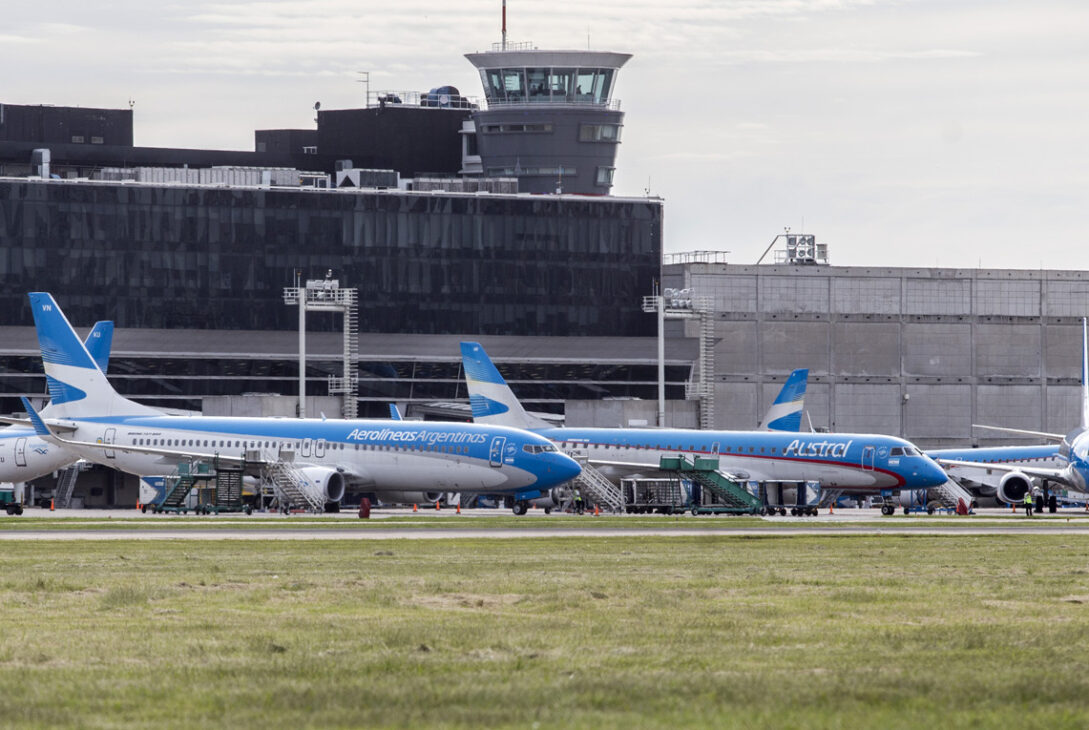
column 1084, row 374
column 785, row 413
column 492, row 400
column 77, row 387
column 99, row 342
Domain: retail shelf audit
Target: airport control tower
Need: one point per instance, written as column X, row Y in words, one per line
column 550, row 119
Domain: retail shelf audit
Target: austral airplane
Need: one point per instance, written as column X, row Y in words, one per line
column 322, row 457
column 853, row 463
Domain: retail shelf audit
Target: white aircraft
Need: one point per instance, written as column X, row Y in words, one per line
column 23, row 454
column 320, row 458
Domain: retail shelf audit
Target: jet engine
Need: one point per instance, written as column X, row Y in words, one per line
column 329, row 482
column 550, row 499
column 1013, row 486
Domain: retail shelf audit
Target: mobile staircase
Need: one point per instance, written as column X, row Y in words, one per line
column 292, row 489
column 66, row 484
column 729, row 497
column 596, row 488
column 942, row 498
column 178, row 485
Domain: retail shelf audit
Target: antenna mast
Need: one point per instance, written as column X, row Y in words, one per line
column 504, row 25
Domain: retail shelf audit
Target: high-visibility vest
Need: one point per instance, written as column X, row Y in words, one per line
column 1028, row 497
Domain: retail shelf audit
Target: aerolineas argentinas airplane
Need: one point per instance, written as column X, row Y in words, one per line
column 25, row 456
column 93, row 421
column 854, row 463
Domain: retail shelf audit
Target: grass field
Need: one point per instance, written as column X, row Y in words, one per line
column 714, row 631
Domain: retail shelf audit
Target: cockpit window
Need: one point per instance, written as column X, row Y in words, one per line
column 896, row 451
column 538, row 448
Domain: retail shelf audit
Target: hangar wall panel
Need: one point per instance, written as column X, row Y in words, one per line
column 730, row 293
column 1062, row 351
column 1011, row 406
column 937, row 349
column 1067, row 299
column 938, row 411
column 735, row 347
column 785, row 346
column 1008, row 350
column 867, row 408
column 866, row 348
column 736, row 406
column 1014, row 298
column 865, row 295
column 794, row 294
column 1063, row 408
column 938, row 296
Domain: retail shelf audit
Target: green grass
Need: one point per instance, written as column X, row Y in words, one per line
column 709, row 631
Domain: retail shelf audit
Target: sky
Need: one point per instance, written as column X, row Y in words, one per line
column 899, row 132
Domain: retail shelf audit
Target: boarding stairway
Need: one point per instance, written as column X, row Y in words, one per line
column 293, row 489
column 66, row 484
column 732, row 497
column 949, row 494
column 177, row 486
column 829, row 497
column 595, row 488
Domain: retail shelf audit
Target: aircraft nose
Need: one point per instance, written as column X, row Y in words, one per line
column 561, row 468
column 933, row 473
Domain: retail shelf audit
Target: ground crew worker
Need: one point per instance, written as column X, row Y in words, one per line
column 1028, row 503
column 579, row 507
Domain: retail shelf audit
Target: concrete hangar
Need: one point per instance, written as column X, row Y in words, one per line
column 454, row 217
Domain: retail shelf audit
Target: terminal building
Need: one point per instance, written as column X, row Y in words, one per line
column 453, row 218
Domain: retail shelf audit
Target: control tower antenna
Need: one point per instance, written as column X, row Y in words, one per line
column 504, row 25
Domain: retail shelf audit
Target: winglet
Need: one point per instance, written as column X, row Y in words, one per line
column 99, row 342
column 395, row 412
column 35, row 420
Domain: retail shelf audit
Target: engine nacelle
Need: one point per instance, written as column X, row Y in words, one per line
column 330, row 482
column 551, row 499
column 409, row 497
column 1012, row 487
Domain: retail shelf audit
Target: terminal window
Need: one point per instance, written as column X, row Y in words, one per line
column 599, row 132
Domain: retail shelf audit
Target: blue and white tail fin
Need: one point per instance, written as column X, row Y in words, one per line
column 77, row 387
column 785, row 413
column 492, row 400
column 99, row 342
column 395, row 412
column 1084, row 375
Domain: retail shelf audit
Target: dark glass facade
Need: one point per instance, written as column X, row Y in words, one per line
column 169, row 257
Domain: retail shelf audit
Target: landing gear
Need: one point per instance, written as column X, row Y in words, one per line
column 520, row 508
column 14, row 508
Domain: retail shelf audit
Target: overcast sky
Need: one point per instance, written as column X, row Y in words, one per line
column 900, row 132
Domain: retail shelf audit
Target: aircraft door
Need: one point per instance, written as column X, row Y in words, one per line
column 868, row 454
column 306, row 444
column 109, row 438
column 20, row 452
column 495, row 453
column 319, row 448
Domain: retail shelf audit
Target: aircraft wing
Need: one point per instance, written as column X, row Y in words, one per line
column 27, row 423
column 47, row 433
column 1022, row 432
column 1062, row 476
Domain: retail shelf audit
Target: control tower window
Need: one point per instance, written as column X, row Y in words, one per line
column 537, row 84
column 560, row 83
column 603, row 81
column 493, row 84
column 514, row 84
column 584, row 84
